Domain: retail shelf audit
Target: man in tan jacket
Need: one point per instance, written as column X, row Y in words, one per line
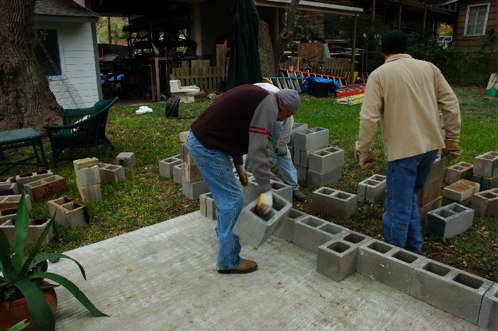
column 407, row 96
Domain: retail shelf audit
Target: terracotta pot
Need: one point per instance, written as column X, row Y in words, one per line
column 12, row 312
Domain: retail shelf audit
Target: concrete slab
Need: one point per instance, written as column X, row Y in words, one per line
column 163, row 277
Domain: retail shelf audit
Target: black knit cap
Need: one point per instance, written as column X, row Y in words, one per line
column 393, row 42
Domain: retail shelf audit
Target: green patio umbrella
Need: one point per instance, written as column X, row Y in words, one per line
column 244, row 67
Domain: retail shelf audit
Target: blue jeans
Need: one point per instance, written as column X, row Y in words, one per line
column 217, row 169
column 284, row 163
column 401, row 221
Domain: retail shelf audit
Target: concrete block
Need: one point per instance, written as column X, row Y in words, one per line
column 286, row 229
column 166, row 166
column 90, row 192
column 251, row 191
column 488, row 315
column 430, row 192
column 428, row 207
column 449, row 221
column 256, row 229
column 372, row 189
column 126, row 159
column 192, row 190
column 311, row 139
column 297, row 127
column 326, row 160
column 183, row 136
column 7, row 180
column 338, row 257
column 486, row 182
column 185, row 155
column 460, row 170
column 177, row 173
column 68, row 212
column 191, row 172
column 88, row 176
column 111, row 173
column 486, row 165
column 461, row 190
column 8, row 189
column 12, row 201
column 485, row 203
column 357, row 151
column 310, row 232
column 388, row 264
column 314, row 179
column 454, row 291
column 302, row 173
column 85, row 163
column 437, row 172
column 45, row 187
column 20, row 180
column 282, row 189
column 35, row 228
column 207, row 206
column 335, row 203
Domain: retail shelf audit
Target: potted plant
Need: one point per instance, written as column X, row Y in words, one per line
column 24, row 278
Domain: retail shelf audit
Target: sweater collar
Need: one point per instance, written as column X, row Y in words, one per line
column 398, row 56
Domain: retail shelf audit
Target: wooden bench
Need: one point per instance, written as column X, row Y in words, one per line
column 14, row 139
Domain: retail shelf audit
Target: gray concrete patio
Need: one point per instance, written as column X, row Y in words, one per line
column 163, row 277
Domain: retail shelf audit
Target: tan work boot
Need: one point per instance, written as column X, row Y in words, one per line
column 245, row 267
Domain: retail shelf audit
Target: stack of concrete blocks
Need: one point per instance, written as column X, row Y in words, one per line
column 429, row 198
column 88, row 178
column 372, row 189
column 460, row 170
column 126, row 159
column 325, row 166
column 111, row 173
column 334, row 203
column 40, row 189
column 193, row 184
column 68, row 212
column 449, row 220
column 489, row 306
column 297, row 127
column 255, row 229
column 485, row 203
column 31, row 177
column 460, row 191
column 166, row 166
column 310, row 232
column 454, row 291
column 388, row 264
column 337, row 258
column 35, row 229
column 304, row 143
column 207, row 206
column 486, row 170
column 8, row 186
column 286, row 228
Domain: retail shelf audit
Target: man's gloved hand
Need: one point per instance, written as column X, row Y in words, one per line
column 366, row 161
column 242, row 175
column 281, row 150
column 451, row 150
column 265, row 203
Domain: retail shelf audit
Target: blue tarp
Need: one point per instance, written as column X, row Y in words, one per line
column 320, row 87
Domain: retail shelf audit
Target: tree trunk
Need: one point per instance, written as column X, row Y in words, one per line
column 266, row 55
column 25, row 96
column 287, row 33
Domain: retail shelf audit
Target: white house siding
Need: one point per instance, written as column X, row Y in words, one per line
column 78, row 86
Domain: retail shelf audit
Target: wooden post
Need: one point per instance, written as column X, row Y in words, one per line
column 353, row 50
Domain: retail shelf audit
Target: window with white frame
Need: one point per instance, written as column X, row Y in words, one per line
column 47, row 51
column 477, row 18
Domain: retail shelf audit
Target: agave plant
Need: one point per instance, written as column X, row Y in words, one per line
column 23, row 272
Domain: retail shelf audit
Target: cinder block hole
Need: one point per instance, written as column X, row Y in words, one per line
column 338, row 247
column 371, row 182
column 72, row 205
column 436, row 269
column 50, row 179
column 380, row 178
column 293, row 214
column 313, row 222
column 35, row 183
column 278, row 204
column 457, row 208
column 326, row 191
column 62, row 201
column 342, row 196
column 264, row 218
column 488, row 157
column 9, row 211
column 4, row 180
column 112, row 167
column 330, row 228
column 41, row 172
column 333, row 149
column 38, row 221
column 379, row 247
column 122, row 162
column 321, row 153
column 170, row 159
column 488, row 195
column 458, row 167
column 354, row 238
column 26, row 175
column 468, row 281
column 277, row 185
column 405, row 257
column 493, row 154
column 445, row 213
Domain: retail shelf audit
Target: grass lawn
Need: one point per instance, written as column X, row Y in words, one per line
column 145, row 199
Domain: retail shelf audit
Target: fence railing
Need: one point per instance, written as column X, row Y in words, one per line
column 205, row 77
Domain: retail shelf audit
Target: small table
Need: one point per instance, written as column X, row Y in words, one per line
column 14, row 139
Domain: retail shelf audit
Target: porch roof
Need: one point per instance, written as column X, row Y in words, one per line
column 323, row 7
